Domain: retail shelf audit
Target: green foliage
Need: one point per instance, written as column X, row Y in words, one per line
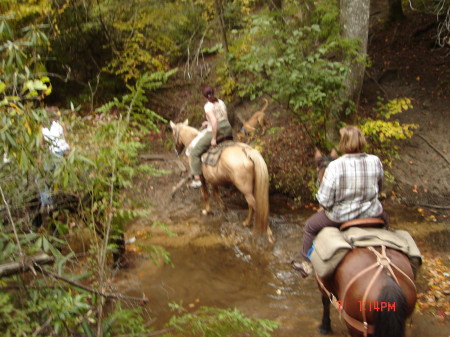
column 151, row 41
column 13, row 322
column 102, row 171
column 25, row 314
column 103, row 161
column 383, row 131
column 122, row 321
column 142, row 117
column 216, row 322
column 295, row 63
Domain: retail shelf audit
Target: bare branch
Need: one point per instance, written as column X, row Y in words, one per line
column 91, row 290
column 434, row 148
column 11, row 221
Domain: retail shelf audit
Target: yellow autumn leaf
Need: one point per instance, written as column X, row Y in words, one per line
column 19, row 110
column 48, row 91
column 27, row 126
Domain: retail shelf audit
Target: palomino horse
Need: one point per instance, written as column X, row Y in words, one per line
column 372, row 288
column 240, row 165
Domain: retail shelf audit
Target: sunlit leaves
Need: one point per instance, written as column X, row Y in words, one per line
column 383, row 131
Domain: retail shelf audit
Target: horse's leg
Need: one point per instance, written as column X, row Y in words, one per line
column 325, row 326
column 216, row 194
column 205, row 196
column 251, row 207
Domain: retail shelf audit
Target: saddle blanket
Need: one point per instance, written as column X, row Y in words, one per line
column 211, row 157
column 331, row 245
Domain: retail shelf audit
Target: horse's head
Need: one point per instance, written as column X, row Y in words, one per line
column 183, row 134
column 322, row 162
column 176, row 131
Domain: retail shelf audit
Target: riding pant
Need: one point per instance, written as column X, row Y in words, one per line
column 223, row 130
column 320, row 220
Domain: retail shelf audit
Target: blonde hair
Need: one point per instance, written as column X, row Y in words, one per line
column 352, row 140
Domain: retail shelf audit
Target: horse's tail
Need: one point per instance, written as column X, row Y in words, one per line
column 390, row 321
column 266, row 104
column 261, row 192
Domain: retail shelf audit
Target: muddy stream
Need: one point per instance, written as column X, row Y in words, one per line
column 217, row 262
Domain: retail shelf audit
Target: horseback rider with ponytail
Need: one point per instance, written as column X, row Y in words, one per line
column 218, row 127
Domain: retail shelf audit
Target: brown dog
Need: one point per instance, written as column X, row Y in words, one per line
column 258, row 118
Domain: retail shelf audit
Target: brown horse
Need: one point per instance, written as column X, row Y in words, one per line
column 372, row 288
column 240, row 165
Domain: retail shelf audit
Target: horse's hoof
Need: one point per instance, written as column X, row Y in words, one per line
column 325, row 331
column 204, row 212
column 270, row 236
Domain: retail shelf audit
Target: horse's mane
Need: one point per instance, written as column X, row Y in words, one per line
column 324, row 161
column 187, row 128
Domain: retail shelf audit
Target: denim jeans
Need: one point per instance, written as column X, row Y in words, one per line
column 45, row 182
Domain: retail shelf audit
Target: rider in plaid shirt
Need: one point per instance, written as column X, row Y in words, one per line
column 350, row 186
column 349, row 190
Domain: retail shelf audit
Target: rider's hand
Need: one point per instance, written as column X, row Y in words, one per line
column 213, row 142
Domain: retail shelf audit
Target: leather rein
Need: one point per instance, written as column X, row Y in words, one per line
column 383, row 263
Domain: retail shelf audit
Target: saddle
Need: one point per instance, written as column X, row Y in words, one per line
column 332, row 244
column 211, row 157
column 364, row 222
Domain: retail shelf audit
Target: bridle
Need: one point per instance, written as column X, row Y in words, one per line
column 177, row 143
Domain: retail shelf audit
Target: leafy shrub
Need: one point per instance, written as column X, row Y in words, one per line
column 296, row 63
column 216, row 322
column 383, row 130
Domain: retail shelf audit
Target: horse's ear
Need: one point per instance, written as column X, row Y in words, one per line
column 172, row 125
column 186, row 122
column 317, row 154
column 334, row 154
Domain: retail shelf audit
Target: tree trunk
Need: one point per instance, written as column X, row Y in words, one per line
column 354, row 22
column 219, row 9
column 395, row 11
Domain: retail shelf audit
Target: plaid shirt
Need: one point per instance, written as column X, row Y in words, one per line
column 350, row 187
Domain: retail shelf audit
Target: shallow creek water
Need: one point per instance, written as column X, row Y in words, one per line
column 219, row 263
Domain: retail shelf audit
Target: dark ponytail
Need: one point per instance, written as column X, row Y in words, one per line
column 208, row 93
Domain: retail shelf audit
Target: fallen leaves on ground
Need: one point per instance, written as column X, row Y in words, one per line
column 436, row 298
